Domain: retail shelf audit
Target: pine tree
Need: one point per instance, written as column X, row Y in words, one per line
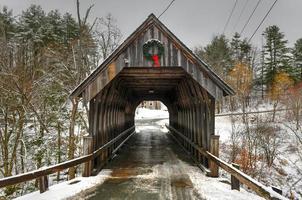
column 241, row 50
column 7, row 24
column 32, row 27
column 54, row 27
column 235, row 46
column 241, row 74
column 275, row 54
column 297, row 53
column 218, row 55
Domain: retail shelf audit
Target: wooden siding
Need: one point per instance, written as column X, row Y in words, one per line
column 132, row 56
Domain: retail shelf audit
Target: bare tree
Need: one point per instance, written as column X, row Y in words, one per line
column 107, row 35
column 270, row 141
column 82, row 68
column 281, row 82
column 235, row 138
column 294, row 104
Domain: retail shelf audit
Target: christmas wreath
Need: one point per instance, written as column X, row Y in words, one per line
column 150, row 44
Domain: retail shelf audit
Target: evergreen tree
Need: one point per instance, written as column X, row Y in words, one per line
column 7, row 24
column 70, row 29
column 297, row 53
column 235, row 46
column 54, row 27
column 218, row 55
column 276, row 55
column 31, row 27
column 241, row 50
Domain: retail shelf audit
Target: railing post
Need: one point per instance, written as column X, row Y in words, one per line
column 43, row 183
column 278, row 190
column 235, row 184
column 88, row 149
column 214, row 149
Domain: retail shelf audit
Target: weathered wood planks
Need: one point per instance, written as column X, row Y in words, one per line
column 173, row 56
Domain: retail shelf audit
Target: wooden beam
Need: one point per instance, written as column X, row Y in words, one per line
column 214, row 149
column 88, row 149
column 235, row 184
column 43, row 184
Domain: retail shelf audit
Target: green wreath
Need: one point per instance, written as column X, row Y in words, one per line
column 160, row 50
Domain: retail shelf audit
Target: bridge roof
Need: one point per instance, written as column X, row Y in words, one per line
column 153, row 20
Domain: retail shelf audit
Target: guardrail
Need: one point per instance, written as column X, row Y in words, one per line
column 256, row 186
column 64, row 165
column 250, row 112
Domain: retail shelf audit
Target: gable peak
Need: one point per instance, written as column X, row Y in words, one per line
column 152, row 16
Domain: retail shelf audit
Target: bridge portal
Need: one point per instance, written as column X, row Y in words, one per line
column 152, row 64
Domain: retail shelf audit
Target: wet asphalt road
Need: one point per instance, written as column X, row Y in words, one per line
column 148, row 167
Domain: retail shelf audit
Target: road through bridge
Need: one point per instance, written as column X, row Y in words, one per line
column 150, row 166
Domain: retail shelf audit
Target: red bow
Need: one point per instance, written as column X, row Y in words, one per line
column 155, row 61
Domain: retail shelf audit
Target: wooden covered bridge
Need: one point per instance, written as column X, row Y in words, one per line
column 151, row 64
column 178, row 78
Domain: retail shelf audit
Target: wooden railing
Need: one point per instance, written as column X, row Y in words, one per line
column 243, row 178
column 64, row 165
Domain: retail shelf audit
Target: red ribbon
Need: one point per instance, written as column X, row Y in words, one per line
column 155, row 61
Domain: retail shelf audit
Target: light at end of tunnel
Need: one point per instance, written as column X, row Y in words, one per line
column 151, row 91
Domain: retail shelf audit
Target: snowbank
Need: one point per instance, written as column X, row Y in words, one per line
column 217, row 188
column 144, row 113
column 69, row 188
column 223, row 128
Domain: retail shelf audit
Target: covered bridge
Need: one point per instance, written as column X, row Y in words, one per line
column 152, row 64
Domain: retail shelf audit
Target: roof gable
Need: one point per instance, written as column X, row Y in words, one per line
column 130, row 54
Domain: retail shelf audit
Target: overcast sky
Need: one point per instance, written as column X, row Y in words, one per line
column 195, row 22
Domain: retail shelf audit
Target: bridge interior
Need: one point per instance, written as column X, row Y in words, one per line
column 150, row 166
column 190, row 106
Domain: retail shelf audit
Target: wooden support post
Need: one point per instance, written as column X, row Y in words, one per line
column 278, row 190
column 43, row 183
column 214, row 149
column 88, row 149
column 235, row 184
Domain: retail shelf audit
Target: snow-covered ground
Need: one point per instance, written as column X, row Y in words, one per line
column 68, row 189
column 217, row 188
column 285, row 172
column 144, row 113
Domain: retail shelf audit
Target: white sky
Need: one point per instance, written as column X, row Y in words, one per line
column 195, row 22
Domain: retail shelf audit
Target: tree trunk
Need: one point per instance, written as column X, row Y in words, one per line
column 71, row 145
column 59, row 148
column 274, row 110
column 21, row 156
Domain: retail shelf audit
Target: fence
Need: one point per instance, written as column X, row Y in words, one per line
column 87, row 159
column 237, row 175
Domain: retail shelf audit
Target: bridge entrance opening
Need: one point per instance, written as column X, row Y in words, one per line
column 151, row 113
column 113, row 109
column 151, row 164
